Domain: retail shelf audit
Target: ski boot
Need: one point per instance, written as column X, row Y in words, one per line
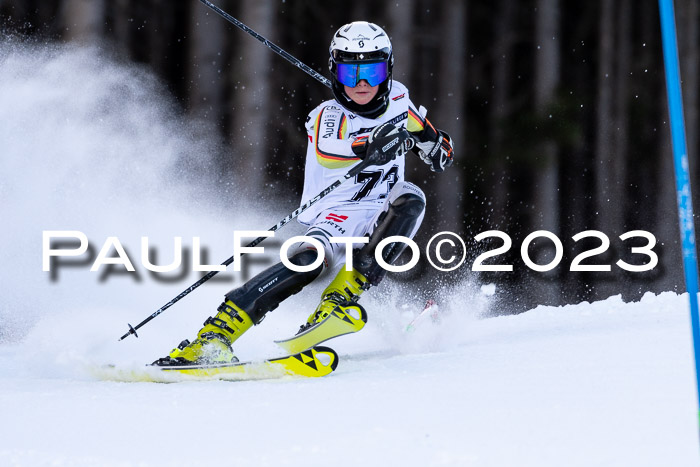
column 213, row 342
column 341, row 295
column 336, row 315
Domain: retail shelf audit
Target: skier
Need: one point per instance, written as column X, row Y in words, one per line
column 370, row 117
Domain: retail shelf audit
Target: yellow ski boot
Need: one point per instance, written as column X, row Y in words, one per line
column 213, row 342
column 337, row 314
column 343, row 292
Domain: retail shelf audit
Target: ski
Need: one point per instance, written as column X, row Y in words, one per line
column 337, row 323
column 314, row 362
column 431, row 310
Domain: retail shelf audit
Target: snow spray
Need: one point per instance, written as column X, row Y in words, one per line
column 92, row 143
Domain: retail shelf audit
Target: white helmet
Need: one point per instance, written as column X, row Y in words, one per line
column 361, row 50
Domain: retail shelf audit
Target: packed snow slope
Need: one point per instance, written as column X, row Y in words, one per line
column 93, row 145
column 605, row 384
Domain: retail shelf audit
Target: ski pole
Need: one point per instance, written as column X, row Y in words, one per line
column 351, row 174
column 291, row 59
column 277, row 49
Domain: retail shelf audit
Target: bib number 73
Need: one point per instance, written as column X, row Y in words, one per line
column 369, row 180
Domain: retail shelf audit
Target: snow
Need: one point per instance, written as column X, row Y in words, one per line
column 93, row 145
column 606, row 383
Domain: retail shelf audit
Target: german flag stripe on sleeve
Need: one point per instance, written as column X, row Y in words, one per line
column 326, row 159
column 342, row 127
column 415, row 123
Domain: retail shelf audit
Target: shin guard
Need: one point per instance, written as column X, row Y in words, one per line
column 402, row 218
column 268, row 289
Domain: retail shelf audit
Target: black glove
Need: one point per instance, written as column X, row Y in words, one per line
column 435, row 148
column 386, row 143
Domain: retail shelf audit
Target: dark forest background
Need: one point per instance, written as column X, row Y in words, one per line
column 557, row 110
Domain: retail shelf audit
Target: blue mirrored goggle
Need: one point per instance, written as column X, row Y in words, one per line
column 352, row 73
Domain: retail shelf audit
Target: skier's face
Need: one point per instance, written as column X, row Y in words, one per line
column 363, row 93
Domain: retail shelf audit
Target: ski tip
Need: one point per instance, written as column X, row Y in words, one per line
column 327, row 350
